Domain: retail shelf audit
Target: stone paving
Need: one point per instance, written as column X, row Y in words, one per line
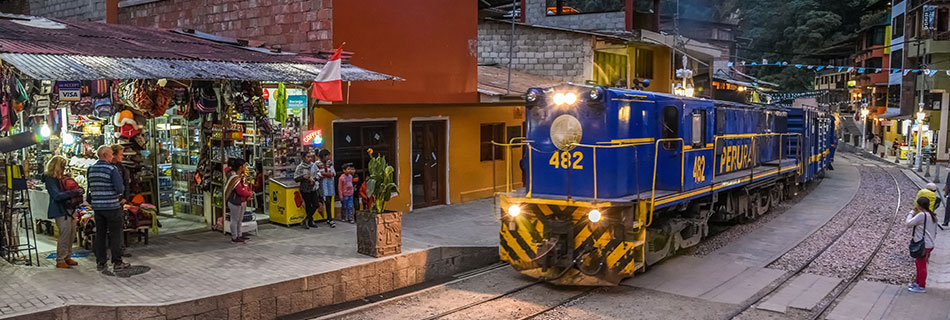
column 188, row 266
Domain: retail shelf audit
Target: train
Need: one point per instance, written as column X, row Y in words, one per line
column 615, row 179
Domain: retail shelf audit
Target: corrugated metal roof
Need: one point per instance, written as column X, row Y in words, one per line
column 493, row 81
column 87, row 51
column 76, row 67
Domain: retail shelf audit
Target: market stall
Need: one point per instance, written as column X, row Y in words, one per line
column 180, row 102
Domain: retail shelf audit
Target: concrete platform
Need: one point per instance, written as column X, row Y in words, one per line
column 803, row 292
column 737, row 271
column 281, row 271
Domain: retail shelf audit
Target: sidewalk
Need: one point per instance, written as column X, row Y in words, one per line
column 288, row 269
column 874, row 300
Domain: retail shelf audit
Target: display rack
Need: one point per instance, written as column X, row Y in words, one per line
column 15, row 215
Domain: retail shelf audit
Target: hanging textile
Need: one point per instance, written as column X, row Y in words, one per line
column 280, row 96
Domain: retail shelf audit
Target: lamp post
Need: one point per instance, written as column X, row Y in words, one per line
column 920, row 135
column 864, row 126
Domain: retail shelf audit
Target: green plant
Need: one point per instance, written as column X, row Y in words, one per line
column 380, row 185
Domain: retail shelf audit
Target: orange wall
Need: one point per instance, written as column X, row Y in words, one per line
column 469, row 177
column 430, row 43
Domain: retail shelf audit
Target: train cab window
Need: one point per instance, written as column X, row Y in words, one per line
column 670, row 129
column 720, row 121
column 699, row 128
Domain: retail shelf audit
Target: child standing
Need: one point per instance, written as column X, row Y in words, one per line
column 345, row 187
column 326, row 176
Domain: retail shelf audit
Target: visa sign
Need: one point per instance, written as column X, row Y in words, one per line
column 68, row 90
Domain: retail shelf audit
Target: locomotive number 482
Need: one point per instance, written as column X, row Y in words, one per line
column 567, row 160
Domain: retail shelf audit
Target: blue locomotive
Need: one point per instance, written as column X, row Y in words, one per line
column 618, row 179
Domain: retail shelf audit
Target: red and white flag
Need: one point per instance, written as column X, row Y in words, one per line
column 329, row 85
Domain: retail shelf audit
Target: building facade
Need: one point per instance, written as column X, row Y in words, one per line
column 613, row 42
column 425, row 125
column 926, row 32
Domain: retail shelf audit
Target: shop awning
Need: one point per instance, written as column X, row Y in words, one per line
column 64, row 50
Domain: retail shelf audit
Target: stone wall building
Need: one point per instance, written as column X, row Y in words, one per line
column 79, row 10
column 552, row 54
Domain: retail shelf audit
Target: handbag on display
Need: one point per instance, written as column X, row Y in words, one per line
column 102, row 108
column 207, row 99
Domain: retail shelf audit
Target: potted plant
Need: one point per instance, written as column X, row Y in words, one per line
column 379, row 231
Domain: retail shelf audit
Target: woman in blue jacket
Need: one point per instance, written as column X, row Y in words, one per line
column 59, row 211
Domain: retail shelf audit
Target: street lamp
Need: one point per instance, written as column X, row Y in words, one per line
column 920, row 135
column 864, row 125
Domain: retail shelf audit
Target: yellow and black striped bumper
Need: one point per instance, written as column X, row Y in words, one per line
column 555, row 240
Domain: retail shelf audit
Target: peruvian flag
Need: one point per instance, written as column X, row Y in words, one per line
column 329, row 85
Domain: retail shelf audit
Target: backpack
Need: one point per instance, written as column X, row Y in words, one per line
column 70, row 184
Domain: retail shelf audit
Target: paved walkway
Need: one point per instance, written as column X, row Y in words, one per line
column 197, row 265
column 873, row 300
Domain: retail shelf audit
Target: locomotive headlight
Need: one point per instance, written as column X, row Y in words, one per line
column 594, row 215
column 595, row 94
column 570, row 98
column 514, row 210
column 531, row 96
column 559, row 98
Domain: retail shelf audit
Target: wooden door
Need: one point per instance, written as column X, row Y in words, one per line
column 428, row 163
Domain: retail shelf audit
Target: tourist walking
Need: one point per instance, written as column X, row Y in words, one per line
column 924, row 224
column 946, row 210
column 105, row 190
column 325, row 172
column 237, row 193
column 877, row 142
column 308, row 189
column 61, row 209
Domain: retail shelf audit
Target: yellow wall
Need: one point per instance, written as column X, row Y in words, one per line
column 469, row 178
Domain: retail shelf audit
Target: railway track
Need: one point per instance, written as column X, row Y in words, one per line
column 836, row 293
column 512, row 303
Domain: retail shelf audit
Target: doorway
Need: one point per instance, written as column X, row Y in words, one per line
column 428, row 163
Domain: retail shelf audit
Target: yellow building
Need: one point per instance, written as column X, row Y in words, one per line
column 438, row 151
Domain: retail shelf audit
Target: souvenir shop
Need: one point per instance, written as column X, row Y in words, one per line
column 178, row 102
column 176, row 136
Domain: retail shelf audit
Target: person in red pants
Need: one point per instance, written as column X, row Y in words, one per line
column 924, row 223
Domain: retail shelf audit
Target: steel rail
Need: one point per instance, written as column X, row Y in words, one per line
column 788, row 276
column 880, row 244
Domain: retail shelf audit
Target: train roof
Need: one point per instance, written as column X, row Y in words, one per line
column 654, row 95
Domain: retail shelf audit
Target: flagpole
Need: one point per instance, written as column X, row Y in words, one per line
column 511, row 46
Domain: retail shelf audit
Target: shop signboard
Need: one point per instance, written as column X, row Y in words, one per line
column 297, row 101
column 68, row 90
column 312, row 138
column 291, row 110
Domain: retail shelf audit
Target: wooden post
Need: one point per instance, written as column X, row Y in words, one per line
column 112, row 11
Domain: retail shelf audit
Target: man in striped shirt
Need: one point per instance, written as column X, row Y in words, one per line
column 105, row 190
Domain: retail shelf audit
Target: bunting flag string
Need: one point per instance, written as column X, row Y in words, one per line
column 853, row 69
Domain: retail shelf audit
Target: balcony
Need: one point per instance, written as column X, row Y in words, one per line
column 940, row 43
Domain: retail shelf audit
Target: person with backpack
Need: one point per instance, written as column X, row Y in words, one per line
column 930, row 192
column 924, row 223
column 62, row 203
